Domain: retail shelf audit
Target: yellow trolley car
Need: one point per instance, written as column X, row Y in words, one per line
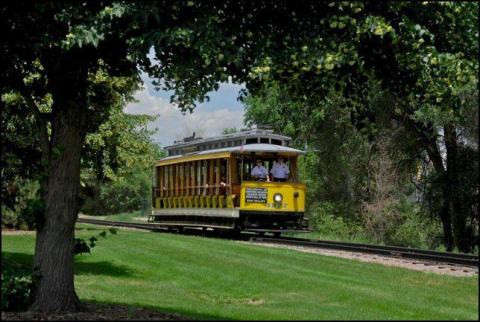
column 208, row 183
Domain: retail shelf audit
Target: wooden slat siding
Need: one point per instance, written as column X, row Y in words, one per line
column 207, row 174
column 233, row 171
column 204, row 176
column 160, row 178
column 167, row 181
column 165, row 170
column 193, row 174
column 156, row 184
column 180, row 179
column 229, row 176
column 183, row 178
column 187, row 178
column 194, row 177
column 200, row 182
column 186, row 173
column 201, row 178
column 211, row 177
column 170, row 180
column 159, row 181
column 174, row 180
column 293, row 169
column 164, row 182
column 177, row 179
column 159, row 174
column 217, row 177
column 191, row 178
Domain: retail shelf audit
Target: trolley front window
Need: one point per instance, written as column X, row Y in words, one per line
column 246, row 163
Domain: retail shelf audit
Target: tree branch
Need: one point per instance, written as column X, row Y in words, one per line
column 427, row 140
column 39, row 118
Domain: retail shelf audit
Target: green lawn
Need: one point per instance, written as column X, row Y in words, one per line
column 222, row 279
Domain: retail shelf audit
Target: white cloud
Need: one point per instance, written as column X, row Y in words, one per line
column 173, row 125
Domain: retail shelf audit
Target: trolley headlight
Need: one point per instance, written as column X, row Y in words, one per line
column 277, row 197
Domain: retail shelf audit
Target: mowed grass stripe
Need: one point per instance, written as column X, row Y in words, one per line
column 222, row 279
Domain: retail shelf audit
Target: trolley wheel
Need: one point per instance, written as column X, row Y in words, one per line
column 235, row 232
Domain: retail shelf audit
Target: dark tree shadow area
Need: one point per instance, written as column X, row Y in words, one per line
column 24, row 262
column 187, row 314
column 81, row 267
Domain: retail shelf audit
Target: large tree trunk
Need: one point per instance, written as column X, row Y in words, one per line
column 429, row 142
column 54, row 249
column 445, row 214
column 453, row 200
column 452, row 213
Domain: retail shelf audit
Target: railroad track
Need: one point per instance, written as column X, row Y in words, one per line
column 151, row 227
column 392, row 251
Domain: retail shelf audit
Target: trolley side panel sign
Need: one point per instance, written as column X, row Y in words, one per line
column 256, row 195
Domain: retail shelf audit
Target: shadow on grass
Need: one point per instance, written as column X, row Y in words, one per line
column 81, row 267
column 187, row 314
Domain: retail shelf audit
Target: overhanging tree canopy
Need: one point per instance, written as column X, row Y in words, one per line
column 53, row 50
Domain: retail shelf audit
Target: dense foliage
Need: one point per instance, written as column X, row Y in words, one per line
column 17, row 286
column 58, row 59
column 388, row 66
column 359, row 184
column 117, row 170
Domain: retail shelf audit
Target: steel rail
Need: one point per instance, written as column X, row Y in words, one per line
column 151, row 227
column 396, row 251
column 392, row 251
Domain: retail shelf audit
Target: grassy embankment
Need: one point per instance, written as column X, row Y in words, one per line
column 138, row 217
column 222, row 279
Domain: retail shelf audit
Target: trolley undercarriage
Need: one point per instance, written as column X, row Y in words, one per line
column 231, row 219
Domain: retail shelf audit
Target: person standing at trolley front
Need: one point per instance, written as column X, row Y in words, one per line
column 259, row 172
column 280, row 171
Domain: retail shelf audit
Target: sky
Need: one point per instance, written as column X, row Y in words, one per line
column 208, row 118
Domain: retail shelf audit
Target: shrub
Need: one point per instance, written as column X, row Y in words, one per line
column 326, row 219
column 401, row 223
column 416, row 229
column 126, row 194
column 17, row 287
column 27, row 207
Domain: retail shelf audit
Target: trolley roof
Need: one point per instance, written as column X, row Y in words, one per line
column 226, row 152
